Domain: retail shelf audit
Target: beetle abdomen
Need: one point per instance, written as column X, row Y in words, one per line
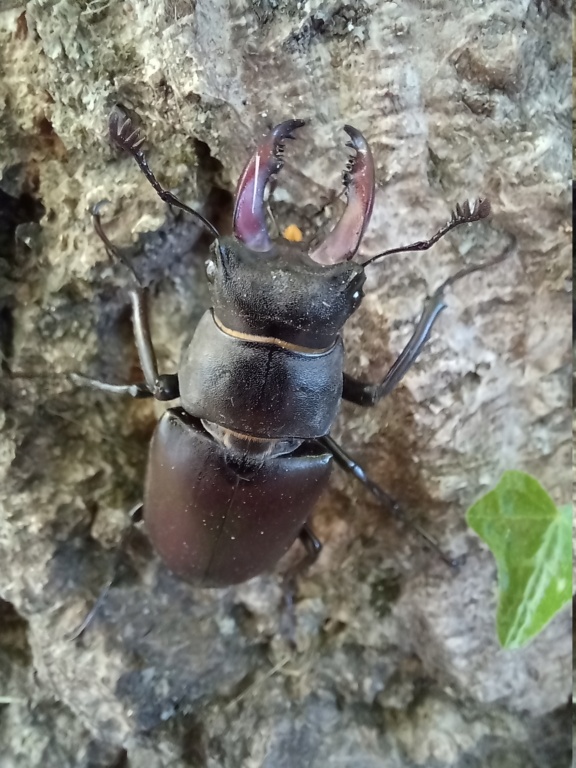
column 260, row 388
column 214, row 522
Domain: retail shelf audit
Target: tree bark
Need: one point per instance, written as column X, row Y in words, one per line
column 396, row 660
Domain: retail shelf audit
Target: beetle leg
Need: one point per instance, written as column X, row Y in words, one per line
column 313, row 547
column 312, row 544
column 365, row 394
column 134, row 390
column 167, row 386
column 346, row 462
column 160, row 386
column 135, row 516
column 361, row 393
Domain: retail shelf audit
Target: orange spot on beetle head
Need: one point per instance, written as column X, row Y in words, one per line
column 293, row 234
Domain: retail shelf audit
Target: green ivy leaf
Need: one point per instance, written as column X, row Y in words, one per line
column 531, row 540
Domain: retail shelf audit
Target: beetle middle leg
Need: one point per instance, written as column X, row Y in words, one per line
column 159, row 386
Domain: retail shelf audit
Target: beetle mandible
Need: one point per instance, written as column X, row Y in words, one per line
column 235, row 471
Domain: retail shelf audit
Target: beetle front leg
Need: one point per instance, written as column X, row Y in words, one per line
column 159, row 386
column 362, row 393
column 346, row 462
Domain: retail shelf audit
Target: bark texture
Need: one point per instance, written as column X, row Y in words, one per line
column 396, row 662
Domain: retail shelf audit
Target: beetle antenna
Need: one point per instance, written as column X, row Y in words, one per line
column 127, row 137
column 469, row 211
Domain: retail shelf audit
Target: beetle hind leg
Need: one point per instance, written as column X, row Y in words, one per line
column 312, row 545
column 345, row 461
column 313, row 548
column 135, row 516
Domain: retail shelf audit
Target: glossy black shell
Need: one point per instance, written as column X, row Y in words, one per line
column 258, row 388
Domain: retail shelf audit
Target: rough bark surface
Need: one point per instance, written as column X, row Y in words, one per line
column 396, row 662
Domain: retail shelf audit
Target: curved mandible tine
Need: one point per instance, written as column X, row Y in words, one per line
column 343, row 241
column 249, row 217
column 124, row 135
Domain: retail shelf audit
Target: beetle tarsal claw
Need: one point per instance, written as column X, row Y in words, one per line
column 267, row 161
column 358, row 177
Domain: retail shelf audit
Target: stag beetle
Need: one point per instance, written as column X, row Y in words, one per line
column 234, row 472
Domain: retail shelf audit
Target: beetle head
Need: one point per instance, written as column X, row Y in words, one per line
column 286, row 295
column 286, row 290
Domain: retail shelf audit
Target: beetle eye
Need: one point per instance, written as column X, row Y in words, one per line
column 357, row 297
column 210, row 270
